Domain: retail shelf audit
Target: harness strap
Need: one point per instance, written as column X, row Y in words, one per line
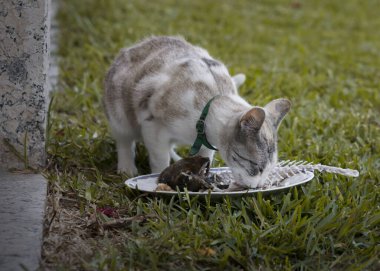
column 201, row 131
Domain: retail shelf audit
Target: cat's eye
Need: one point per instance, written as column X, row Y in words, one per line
column 253, row 169
column 245, row 159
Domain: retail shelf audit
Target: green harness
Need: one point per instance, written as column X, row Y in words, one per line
column 201, row 132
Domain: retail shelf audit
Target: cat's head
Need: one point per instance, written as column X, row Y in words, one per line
column 252, row 149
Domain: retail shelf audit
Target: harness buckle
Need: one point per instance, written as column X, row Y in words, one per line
column 200, row 127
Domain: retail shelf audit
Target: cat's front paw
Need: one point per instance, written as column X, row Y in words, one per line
column 130, row 171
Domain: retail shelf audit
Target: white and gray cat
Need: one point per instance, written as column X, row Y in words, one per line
column 155, row 92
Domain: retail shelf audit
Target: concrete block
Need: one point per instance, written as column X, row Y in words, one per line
column 24, row 55
column 22, row 197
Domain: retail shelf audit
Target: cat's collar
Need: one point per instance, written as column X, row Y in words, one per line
column 201, row 131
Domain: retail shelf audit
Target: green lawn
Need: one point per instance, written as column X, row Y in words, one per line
column 322, row 55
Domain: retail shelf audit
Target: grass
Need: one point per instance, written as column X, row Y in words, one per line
column 322, row 55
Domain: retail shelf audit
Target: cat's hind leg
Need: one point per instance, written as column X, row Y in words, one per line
column 125, row 146
column 126, row 156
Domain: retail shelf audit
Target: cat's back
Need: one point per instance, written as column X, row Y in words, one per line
column 160, row 72
column 133, row 64
column 146, row 57
column 150, row 47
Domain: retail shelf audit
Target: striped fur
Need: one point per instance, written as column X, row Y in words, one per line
column 155, row 92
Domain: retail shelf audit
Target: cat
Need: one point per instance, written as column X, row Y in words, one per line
column 155, row 92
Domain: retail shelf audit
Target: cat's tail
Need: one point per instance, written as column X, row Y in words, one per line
column 174, row 155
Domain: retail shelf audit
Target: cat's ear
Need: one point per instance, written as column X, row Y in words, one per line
column 238, row 79
column 277, row 110
column 253, row 119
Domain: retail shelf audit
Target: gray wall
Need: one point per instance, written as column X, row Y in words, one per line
column 24, row 55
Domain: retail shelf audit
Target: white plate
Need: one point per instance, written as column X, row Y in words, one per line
column 148, row 184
